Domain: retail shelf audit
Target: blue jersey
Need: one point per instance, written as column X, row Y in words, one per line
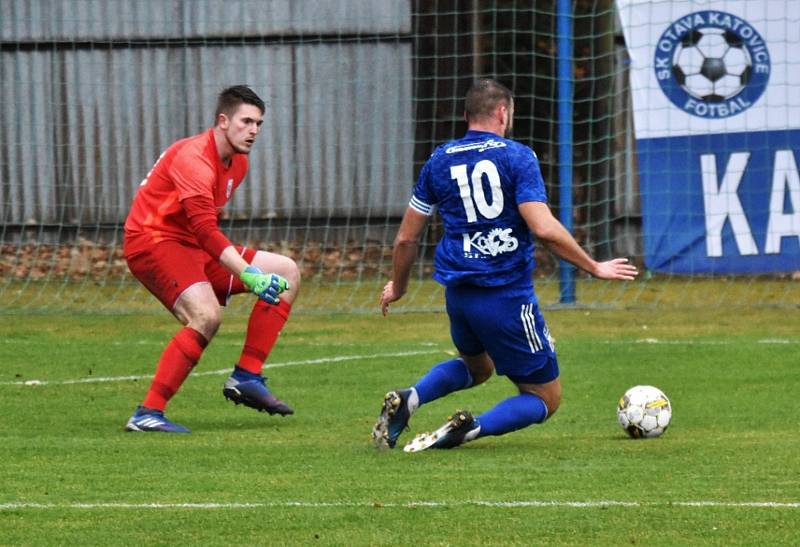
column 476, row 183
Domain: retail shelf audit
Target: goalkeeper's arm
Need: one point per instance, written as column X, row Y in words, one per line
column 267, row 286
column 203, row 220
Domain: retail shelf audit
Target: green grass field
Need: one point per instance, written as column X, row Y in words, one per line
column 725, row 473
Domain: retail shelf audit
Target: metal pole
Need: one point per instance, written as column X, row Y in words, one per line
column 565, row 86
column 477, row 68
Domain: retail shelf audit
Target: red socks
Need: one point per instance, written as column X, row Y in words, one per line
column 263, row 328
column 177, row 361
column 184, row 351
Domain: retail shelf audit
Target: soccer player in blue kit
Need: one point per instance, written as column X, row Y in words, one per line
column 491, row 196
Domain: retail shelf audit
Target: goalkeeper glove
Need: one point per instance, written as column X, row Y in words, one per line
column 267, row 286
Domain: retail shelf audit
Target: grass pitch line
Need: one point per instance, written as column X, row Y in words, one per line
column 408, row 505
column 223, row 371
column 690, row 342
column 654, row 341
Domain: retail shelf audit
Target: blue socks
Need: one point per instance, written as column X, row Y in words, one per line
column 509, row 415
column 442, row 379
column 512, row 414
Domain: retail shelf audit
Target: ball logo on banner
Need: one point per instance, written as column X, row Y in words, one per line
column 712, row 64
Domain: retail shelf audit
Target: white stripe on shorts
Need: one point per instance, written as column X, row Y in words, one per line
column 529, row 323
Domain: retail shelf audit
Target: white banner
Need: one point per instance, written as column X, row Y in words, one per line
column 763, row 45
column 716, row 100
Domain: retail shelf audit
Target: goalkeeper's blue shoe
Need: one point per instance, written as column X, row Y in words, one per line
column 248, row 389
column 458, row 429
column 149, row 420
column 393, row 419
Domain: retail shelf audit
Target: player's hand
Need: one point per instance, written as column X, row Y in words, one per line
column 617, row 268
column 388, row 296
column 267, row 286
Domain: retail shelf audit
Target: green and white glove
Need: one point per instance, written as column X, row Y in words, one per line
column 267, row 286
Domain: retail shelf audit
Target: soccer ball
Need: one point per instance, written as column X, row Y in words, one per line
column 712, row 64
column 644, row 411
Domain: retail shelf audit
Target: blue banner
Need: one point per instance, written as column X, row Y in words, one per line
column 721, row 203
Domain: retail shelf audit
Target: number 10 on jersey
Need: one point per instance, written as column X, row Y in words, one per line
column 473, row 196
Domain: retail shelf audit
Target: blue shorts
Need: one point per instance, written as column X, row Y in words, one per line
column 506, row 323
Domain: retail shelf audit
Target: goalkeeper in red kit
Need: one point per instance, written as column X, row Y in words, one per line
column 174, row 246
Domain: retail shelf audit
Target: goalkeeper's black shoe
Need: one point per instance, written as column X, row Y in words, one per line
column 458, row 429
column 249, row 389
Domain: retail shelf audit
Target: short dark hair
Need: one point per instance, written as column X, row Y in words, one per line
column 231, row 98
column 484, row 96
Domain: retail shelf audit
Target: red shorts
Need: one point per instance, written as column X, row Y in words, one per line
column 168, row 268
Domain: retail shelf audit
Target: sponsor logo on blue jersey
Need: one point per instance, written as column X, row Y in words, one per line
column 479, row 146
column 497, row 241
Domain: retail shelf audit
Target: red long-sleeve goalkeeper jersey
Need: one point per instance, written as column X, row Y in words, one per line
column 189, row 169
